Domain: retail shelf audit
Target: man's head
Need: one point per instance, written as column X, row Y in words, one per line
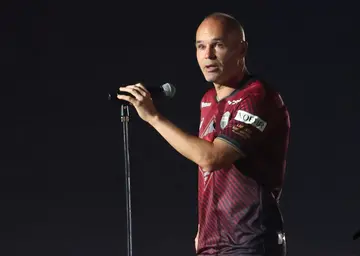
column 221, row 48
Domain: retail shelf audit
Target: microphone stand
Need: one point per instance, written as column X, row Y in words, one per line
column 125, row 117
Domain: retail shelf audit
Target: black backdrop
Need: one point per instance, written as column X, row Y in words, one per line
column 62, row 177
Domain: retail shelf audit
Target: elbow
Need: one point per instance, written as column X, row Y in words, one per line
column 214, row 166
column 210, row 164
column 207, row 168
column 217, row 162
column 216, row 159
column 206, row 163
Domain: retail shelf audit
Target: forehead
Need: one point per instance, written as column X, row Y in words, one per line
column 210, row 30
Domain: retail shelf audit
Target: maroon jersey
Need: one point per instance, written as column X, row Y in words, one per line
column 238, row 206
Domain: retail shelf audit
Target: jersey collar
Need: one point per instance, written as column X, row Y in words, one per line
column 241, row 84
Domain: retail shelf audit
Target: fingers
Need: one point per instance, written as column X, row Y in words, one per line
column 127, row 98
column 133, row 91
column 138, row 91
column 140, row 86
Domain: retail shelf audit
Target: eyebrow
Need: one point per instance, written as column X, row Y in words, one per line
column 212, row 40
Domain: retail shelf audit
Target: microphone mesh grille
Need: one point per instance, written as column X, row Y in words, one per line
column 169, row 90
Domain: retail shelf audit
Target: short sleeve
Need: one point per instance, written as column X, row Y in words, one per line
column 245, row 126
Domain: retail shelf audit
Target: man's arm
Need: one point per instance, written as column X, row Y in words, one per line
column 208, row 155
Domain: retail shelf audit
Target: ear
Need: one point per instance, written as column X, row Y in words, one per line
column 244, row 48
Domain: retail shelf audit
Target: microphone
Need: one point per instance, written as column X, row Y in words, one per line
column 165, row 91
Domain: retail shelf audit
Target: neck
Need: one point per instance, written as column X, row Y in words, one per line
column 225, row 89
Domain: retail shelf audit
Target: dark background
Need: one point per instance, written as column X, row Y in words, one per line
column 62, row 187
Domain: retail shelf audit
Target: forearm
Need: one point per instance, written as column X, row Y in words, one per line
column 193, row 148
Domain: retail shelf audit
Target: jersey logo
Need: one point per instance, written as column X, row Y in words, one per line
column 205, row 104
column 251, row 119
column 234, row 102
column 225, row 120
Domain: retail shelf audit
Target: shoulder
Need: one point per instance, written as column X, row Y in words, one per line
column 261, row 90
column 256, row 87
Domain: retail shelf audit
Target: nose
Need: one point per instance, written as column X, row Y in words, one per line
column 210, row 53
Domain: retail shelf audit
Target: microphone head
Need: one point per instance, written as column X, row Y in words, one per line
column 169, row 90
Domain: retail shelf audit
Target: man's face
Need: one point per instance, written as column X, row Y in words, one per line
column 217, row 52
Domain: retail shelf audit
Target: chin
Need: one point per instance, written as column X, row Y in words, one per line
column 211, row 79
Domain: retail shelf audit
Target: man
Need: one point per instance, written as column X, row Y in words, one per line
column 241, row 147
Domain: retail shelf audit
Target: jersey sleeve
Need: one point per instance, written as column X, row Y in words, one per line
column 244, row 126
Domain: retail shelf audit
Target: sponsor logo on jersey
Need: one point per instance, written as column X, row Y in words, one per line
column 205, row 104
column 225, row 120
column 234, row 102
column 248, row 118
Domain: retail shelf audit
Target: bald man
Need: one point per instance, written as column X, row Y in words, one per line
column 240, row 149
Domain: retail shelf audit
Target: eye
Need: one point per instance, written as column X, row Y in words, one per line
column 220, row 45
column 200, row 46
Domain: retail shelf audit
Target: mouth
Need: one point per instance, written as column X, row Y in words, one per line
column 211, row 68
